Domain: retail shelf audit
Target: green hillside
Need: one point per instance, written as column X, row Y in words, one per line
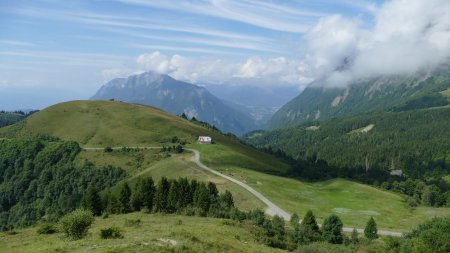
column 110, row 123
column 155, row 233
column 394, row 93
column 9, row 118
column 408, row 141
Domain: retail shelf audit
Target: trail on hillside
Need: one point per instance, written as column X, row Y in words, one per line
column 272, row 209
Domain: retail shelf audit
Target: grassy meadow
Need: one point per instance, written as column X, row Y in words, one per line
column 154, row 233
column 353, row 202
column 110, row 123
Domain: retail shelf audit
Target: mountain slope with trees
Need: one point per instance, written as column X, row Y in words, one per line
column 388, row 93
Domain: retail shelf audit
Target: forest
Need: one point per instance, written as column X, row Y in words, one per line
column 412, row 142
column 39, row 179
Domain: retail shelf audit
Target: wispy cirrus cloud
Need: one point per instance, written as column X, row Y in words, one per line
column 16, row 43
column 258, row 13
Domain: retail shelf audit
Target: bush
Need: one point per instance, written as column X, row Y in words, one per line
column 76, row 224
column 108, row 149
column 47, row 229
column 111, row 233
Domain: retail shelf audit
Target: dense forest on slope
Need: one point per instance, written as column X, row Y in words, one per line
column 369, row 148
column 39, row 179
column 407, row 141
column 387, row 93
column 9, row 118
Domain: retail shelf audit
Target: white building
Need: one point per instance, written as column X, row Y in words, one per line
column 204, row 139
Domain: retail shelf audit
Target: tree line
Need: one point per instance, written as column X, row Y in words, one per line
column 182, row 196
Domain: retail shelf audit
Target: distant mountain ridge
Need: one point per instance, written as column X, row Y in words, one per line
column 260, row 101
column 176, row 97
column 394, row 93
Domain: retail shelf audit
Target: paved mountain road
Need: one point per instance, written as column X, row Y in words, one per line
column 272, row 209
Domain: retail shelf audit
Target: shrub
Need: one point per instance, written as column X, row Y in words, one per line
column 111, row 233
column 108, row 149
column 76, row 224
column 47, row 229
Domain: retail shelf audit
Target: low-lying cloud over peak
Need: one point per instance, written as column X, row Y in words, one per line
column 407, row 36
column 404, row 36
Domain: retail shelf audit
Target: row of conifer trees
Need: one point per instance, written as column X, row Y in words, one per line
column 167, row 196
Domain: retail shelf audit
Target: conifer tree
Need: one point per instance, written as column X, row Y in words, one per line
column 148, row 190
column 295, row 220
column 124, row 198
column 173, row 198
column 227, row 199
column 185, row 192
column 332, row 230
column 137, row 197
column 92, row 201
column 308, row 231
column 212, row 188
column 202, row 199
column 371, row 231
column 161, row 195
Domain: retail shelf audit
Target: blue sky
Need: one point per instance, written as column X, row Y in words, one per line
column 53, row 50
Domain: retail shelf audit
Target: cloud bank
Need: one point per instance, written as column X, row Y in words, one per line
column 273, row 71
column 405, row 36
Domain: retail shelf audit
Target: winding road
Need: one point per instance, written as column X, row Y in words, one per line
column 272, row 209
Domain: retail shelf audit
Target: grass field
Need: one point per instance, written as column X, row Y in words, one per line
column 353, row 202
column 107, row 123
column 174, row 166
column 156, row 233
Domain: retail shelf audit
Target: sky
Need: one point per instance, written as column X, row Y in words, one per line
column 53, row 51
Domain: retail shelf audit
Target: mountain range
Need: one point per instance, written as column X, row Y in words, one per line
column 384, row 93
column 176, row 97
column 260, row 100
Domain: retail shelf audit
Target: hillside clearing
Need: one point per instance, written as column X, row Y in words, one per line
column 155, row 233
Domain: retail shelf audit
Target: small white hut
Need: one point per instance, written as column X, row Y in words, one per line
column 204, row 139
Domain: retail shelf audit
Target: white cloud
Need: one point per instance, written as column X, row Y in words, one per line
column 407, row 36
column 404, row 36
column 274, row 71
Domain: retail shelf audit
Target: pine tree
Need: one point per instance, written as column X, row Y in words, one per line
column 309, row 222
column 332, row 230
column 92, row 201
column 295, row 220
column 173, row 198
column 308, row 231
column 124, row 198
column 137, row 198
column 161, row 196
column 371, row 231
column 227, row 199
column 185, row 192
column 148, row 189
column 202, row 199
column 212, row 188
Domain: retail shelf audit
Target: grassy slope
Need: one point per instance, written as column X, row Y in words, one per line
column 157, row 165
column 109, row 123
column 194, row 234
column 353, row 202
column 122, row 124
